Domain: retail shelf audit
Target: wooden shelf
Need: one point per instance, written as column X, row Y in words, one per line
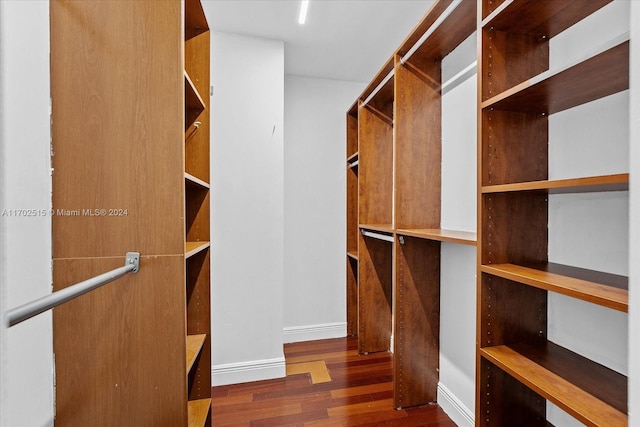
column 192, row 248
column 194, row 345
column 593, row 394
column 352, row 255
column 451, row 236
column 198, row 412
column 385, row 228
column 194, row 104
column 617, row 182
column 544, row 18
column 195, row 21
column 192, row 181
column 604, row 73
column 607, row 290
column 352, row 158
column 443, row 38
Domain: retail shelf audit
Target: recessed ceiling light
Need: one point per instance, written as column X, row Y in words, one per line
column 303, row 12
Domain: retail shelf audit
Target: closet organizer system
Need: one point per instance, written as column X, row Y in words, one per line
column 394, row 148
column 130, row 135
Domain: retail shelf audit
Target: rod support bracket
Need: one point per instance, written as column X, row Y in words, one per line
column 133, row 258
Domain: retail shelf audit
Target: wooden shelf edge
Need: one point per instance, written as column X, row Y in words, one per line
column 385, row 228
column 602, row 294
column 615, row 182
column 192, row 248
column 571, row 398
column 610, row 52
column 562, row 18
column 194, row 346
column 192, row 96
column 198, row 412
column 352, row 157
column 442, row 235
column 195, row 20
column 352, row 255
column 195, row 182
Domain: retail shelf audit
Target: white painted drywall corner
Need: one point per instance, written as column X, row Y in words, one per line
column 26, row 350
column 314, row 206
column 634, row 220
column 247, row 204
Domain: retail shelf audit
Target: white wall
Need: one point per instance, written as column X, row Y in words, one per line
column 314, row 206
column 26, row 368
column 456, row 388
column 634, row 223
column 589, row 230
column 247, row 208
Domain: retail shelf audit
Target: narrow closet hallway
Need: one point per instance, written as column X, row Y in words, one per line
column 327, row 384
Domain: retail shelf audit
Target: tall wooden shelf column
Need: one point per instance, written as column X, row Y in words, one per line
column 375, row 187
column 130, row 125
column 518, row 368
column 197, row 206
column 399, row 179
column 352, row 220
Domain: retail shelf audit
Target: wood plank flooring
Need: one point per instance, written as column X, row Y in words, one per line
column 327, row 384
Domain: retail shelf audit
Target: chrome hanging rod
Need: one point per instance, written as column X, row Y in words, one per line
column 33, row 308
column 377, row 89
column 430, row 30
column 378, row 236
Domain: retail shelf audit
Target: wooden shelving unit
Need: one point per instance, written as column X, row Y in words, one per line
column 352, row 220
column 518, row 367
column 140, row 146
column 398, row 159
column 197, row 230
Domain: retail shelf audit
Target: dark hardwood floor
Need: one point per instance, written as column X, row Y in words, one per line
column 327, row 384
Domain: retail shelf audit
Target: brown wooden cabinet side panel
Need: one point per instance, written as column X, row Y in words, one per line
column 196, row 62
column 503, row 401
column 375, row 170
column 352, row 135
column 418, row 153
column 514, row 147
column 352, row 209
column 352, row 296
column 374, row 295
column 113, row 365
column 117, row 127
column 511, row 312
column 514, row 228
column 417, row 322
column 198, row 308
column 509, row 59
column 197, row 220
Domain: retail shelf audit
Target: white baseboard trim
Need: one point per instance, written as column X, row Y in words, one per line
column 314, row 332
column 454, row 408
column 252, row 370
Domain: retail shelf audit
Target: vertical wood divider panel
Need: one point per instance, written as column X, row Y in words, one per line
column 118, row 155
column 374, row 295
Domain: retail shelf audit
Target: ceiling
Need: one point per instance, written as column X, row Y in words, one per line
column 342, row 39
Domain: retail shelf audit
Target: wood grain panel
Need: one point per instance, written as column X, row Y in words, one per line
column 417, row 322
column 543, row 18
column 352, row 209
column 509, row 59
column 375, row 171
column 197, row 219
column 514, row 228
column 374, row 294
column 503, row 401
column 514, row 147
column 196, row 62
column 418, row 153
column 113, row 365
column 352, row 132
column 198, row 308
column 117, row 127
column 352, row 296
